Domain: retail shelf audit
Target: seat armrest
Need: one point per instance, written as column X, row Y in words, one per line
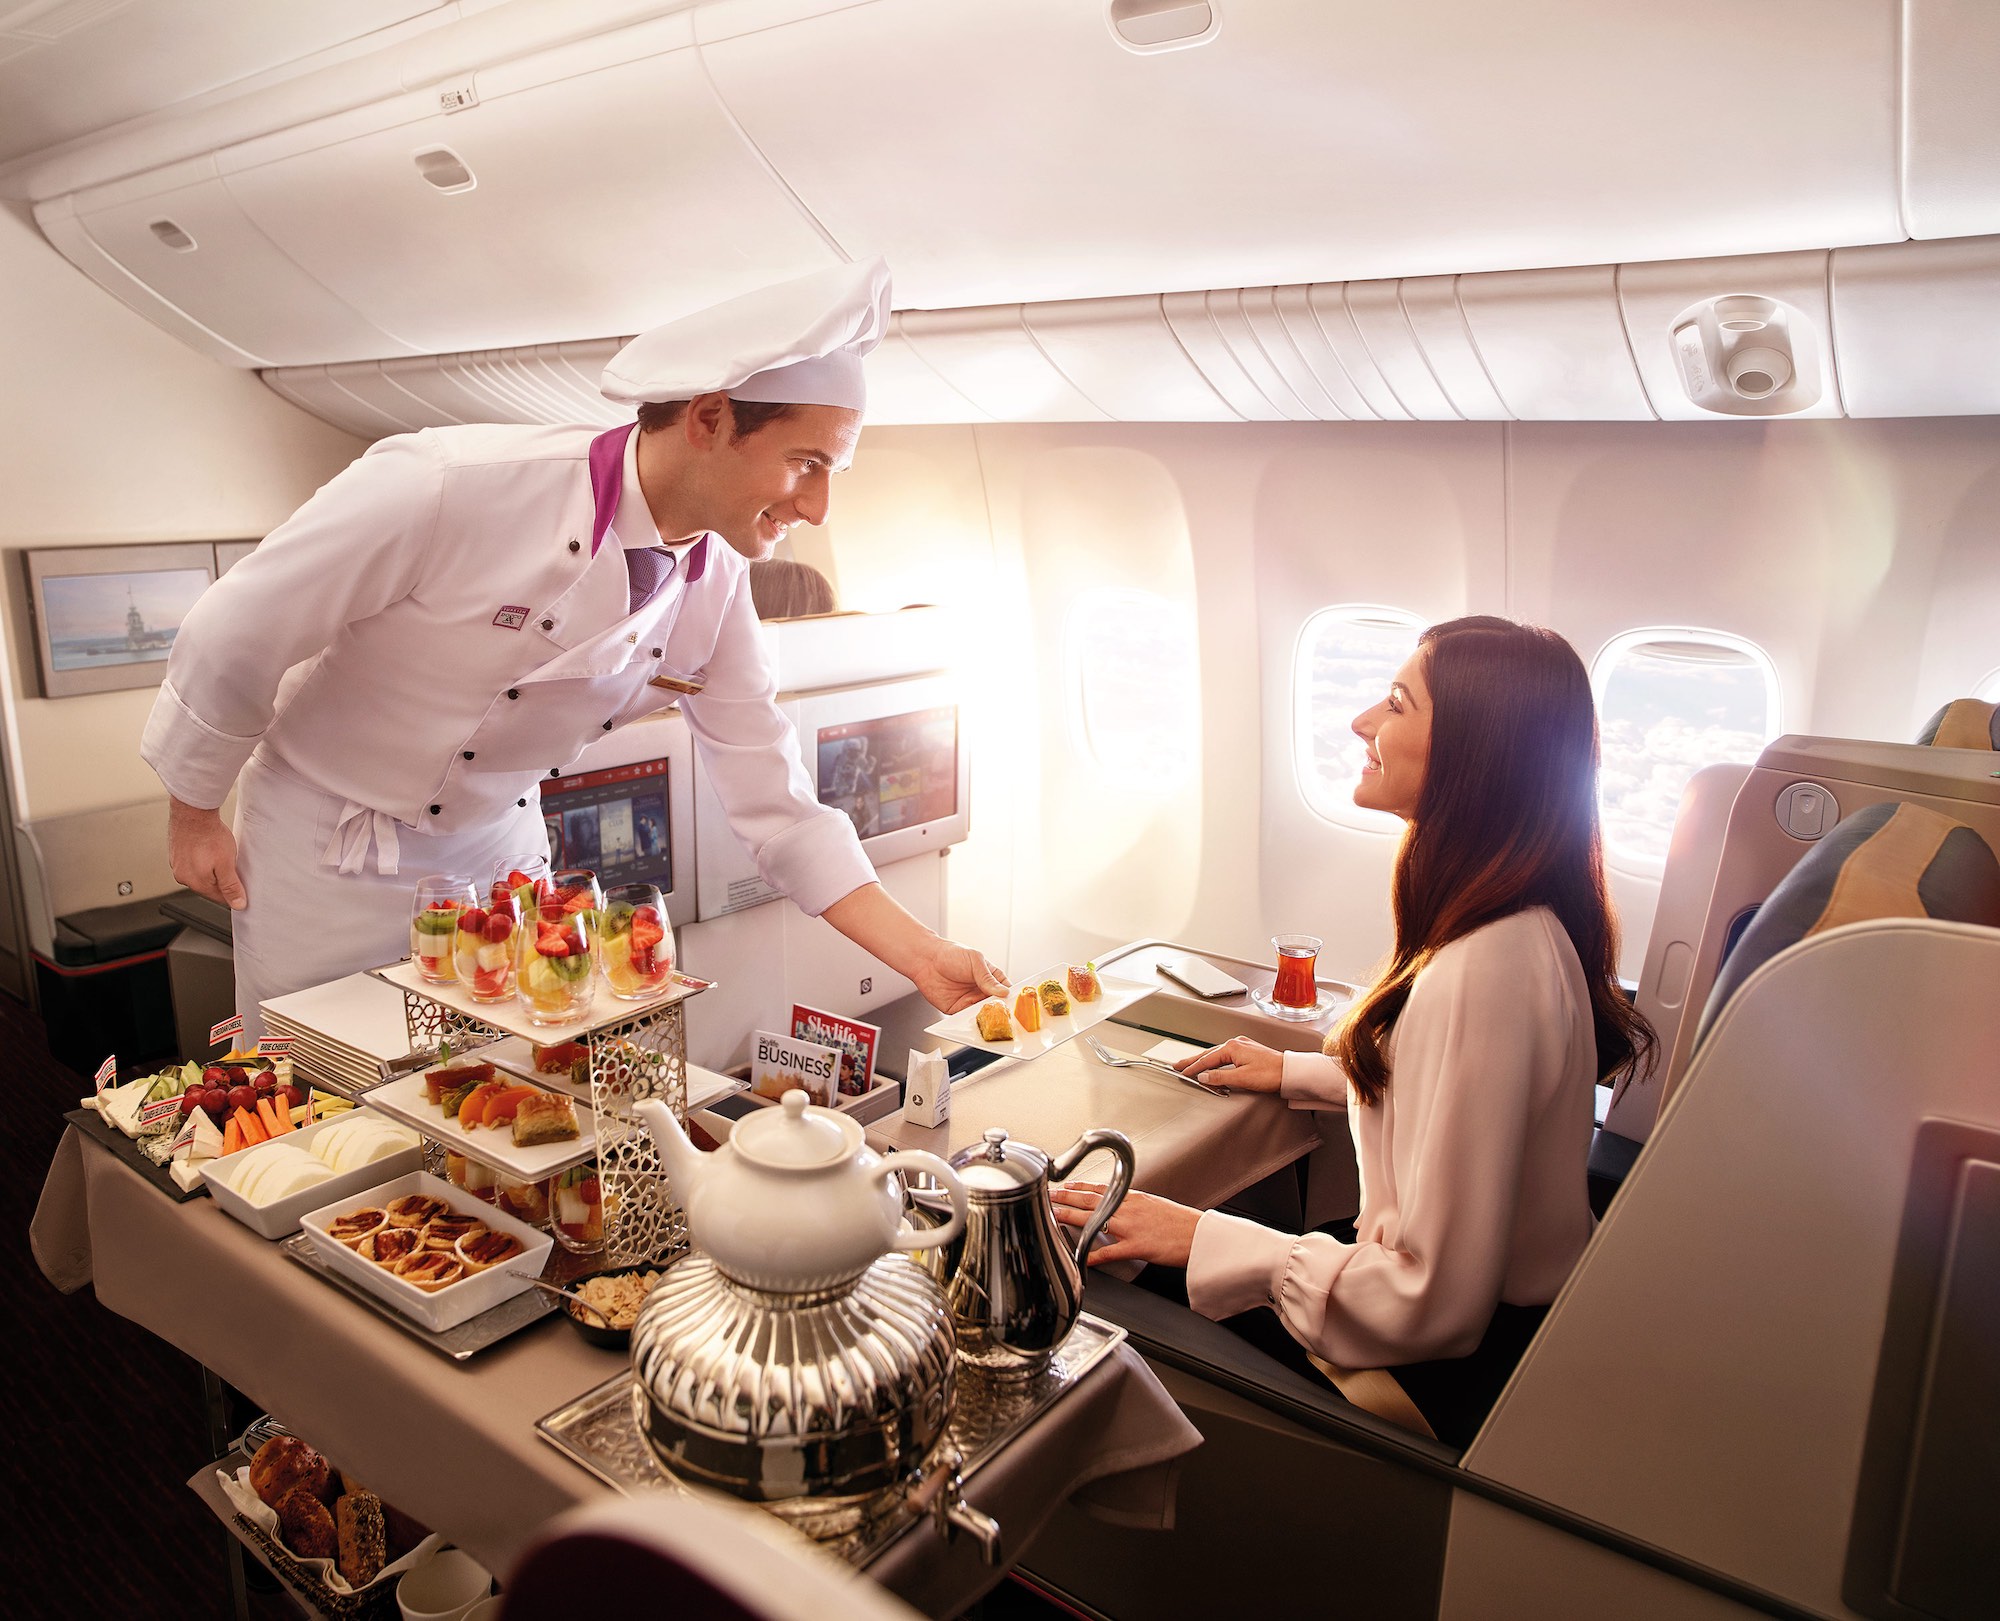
column 1184, row 1339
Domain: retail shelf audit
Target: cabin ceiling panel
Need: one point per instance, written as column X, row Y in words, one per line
column 1317, row 141
column 1122, row 355
column 68, row 67
column 564, row 231
column 1951, row 117
column 991, row 358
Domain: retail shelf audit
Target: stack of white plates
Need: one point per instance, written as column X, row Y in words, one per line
column 342, row 1032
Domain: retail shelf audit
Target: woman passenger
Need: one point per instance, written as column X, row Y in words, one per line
column 1467, row 1069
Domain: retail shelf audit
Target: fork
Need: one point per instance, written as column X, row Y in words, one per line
column 1117, row 1061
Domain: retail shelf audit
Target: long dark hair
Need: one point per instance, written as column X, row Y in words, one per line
column 1506, row 819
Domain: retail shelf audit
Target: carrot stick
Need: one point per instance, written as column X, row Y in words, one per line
column 272, row 1118
column 253, row 1133
column 232, row 1136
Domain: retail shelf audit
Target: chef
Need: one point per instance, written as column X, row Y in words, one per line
column 393, row 672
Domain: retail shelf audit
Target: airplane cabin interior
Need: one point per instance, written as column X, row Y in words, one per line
column 1230, row 345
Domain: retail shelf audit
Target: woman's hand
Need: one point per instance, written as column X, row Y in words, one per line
column 1144, row 1228
column 1243, row 1065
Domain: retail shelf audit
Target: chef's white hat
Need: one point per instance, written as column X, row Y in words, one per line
column 798, row 343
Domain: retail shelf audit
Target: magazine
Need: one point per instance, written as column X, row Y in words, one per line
column 854, row 1041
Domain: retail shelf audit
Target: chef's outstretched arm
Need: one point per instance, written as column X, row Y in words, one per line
column 202, row 854
column 949, row 975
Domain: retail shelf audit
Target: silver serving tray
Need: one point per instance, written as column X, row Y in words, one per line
column 468, row 1339
column 600, row 1431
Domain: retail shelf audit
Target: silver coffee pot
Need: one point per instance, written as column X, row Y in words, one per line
column 1012, row 1278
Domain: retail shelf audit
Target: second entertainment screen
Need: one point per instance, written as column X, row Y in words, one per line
column 893, row 771
column 614, row 822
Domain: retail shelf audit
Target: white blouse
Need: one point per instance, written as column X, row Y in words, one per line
column 1472, row 1164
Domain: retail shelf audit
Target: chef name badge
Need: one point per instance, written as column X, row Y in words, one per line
column 511, row 617
column 778, row 1064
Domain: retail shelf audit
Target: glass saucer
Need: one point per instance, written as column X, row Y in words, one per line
column 1326, row 1004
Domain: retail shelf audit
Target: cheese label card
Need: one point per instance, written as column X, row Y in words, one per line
column 159, row 1109
column 778, row 1064
column 106, row 1070
column 224, row 1031
column 274, row 1047
column 856, row 1043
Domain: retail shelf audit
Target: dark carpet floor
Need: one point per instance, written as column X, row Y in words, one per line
column 105, row 1422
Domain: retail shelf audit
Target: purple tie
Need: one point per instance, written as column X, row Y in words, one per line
column 647, row 570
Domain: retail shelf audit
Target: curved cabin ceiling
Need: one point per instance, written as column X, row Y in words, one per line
column 1482, row 189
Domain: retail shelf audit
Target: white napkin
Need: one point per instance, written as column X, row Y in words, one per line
column 253, row 1508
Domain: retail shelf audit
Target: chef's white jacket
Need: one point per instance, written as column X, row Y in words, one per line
column 445, row 623
column 1473, row 1164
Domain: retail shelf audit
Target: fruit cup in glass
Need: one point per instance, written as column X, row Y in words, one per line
column 636, row 946
column 525, row 879
column 470, row 1175
column 572, row 891
column 434, row 918
column 523, row 1200
column 484, row 947
column 576, row 1208
column 554, row 965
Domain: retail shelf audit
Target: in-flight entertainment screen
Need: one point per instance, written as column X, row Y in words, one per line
column 892, row 771
column 614, row 822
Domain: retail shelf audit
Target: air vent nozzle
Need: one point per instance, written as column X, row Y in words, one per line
column 1163, row 25
column 444, row 169
column 172, row 235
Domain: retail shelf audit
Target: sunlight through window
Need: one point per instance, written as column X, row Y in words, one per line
column 1346, row 657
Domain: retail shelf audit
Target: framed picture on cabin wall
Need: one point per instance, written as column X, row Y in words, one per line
column 105, row 617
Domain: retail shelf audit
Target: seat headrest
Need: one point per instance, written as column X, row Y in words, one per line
column 1964, row 723
column 1889, row 860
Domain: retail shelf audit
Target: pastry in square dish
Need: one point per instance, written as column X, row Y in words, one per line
column 414, row 1209
column 487, row 1248
column 431, row 1270
column 356, row 1225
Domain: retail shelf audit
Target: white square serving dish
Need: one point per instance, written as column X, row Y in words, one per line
column 455, row 1303
column 277, row 1220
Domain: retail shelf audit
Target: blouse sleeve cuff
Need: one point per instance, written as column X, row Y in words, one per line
column 197, row 763
column 1313, row 1079
column 1235, row 1265
column 817, row 861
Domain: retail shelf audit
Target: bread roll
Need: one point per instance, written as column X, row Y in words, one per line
column 363, row 1542
column 285, row 1462
column 305, row 1526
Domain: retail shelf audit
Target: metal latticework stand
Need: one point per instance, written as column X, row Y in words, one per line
column 633, row 1058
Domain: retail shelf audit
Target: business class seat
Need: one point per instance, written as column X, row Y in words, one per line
column 1964, row 723
column 1753, row 1316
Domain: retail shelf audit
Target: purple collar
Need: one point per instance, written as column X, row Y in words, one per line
column 607, row 470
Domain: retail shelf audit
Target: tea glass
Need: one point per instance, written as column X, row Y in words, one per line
column 1295, row 994
column 556, row 965
column 434, row 914
column 636, row 945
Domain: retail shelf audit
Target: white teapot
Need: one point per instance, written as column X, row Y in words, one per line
column 796, row 1200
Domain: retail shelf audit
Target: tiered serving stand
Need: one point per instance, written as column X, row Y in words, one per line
column 638, row 1051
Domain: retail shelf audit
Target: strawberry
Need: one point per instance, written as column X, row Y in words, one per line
column 577, row 900
column 552, row 945
column 472, row 921
column 645, row 935
column 498, row 927
column 646, row 914
column 517, row 878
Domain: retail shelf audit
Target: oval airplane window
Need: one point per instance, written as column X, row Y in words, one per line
column 1670, row 701
column 1135, row 685
column 1987, row 688
column 1346, row 657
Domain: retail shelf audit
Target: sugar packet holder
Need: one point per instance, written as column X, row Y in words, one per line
column 926, row 1090
column 259, row 1513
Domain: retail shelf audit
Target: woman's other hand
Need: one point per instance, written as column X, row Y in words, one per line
column 1143, row 1228
column 1245, row 1065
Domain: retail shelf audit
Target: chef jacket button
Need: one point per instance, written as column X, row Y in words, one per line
column 576, row 545
column 513, row 692
column 555, row 771
column 521, row 802
column 548, row 624
column 468, row 754
column 436, row 809
column 656, row 652
column 607, row 726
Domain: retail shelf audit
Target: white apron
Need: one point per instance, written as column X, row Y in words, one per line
column 311, row 919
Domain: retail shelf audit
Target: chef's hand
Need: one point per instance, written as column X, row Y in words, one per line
column 1143, row 1228
column 202, row 855
column 1244, row 1065
column 953, row 976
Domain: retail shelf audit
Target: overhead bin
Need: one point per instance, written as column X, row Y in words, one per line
column 1951, row 117
column 1553, row 344
column 177, row 247
column 1917, row 328
column 1005, row 150
column 991, row 358
column 1732, row 337
column 1122, row 355
column 1430, row 305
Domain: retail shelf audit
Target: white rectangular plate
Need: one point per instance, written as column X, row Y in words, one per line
column 456, row 1303
column 276, row 1220
column 511, row 1016
column 406, row 1099
column 517, row 1057
column 1118, row 993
